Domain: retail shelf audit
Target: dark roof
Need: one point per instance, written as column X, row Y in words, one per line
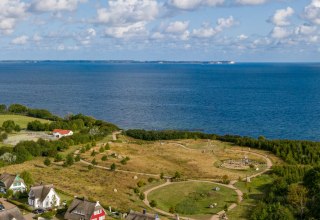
column 140, row 216
column 81, row 208
column 7, row 179
column 10, row 214
column 41, row 192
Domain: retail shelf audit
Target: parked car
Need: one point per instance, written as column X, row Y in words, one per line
column 38, row 211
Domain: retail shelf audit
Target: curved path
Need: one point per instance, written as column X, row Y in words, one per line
column 230, row 185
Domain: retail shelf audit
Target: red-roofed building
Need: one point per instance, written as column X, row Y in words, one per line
column 59, row 133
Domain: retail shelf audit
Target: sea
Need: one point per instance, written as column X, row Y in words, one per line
column 276, row 100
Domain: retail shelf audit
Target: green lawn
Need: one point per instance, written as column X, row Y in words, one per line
column 255, row 191
column 20, row 120
column 193, row 198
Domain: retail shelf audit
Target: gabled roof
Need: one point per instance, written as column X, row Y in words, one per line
column 10, row 214
column 61, row 131
column 81, row 208
column 141, row 216
column 9, row 211
column 7, row 179
column 41, row 192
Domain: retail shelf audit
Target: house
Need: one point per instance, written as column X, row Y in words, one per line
column 142, row 216
column 81, row 209
column 59, row 133
column 43, row 196
column 13, row 182
column 9, row 211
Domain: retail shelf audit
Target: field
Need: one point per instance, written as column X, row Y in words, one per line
column 195, row 160
column 95, row 184
column 193, row 199
column 19, row 119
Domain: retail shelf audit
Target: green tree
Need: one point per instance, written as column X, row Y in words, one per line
column 17, row 108
column 297, row 197
column 47, row 161
column 142, row 196
column 101, row 150
column 265, row 211
column 27, row 178
column 107, row 147
column 9, row 126
column 77, row 158
column 153, row 203
column 113, row 167
column 3, row 108
column 104, row 157
column 69, row 160
column 94, row 162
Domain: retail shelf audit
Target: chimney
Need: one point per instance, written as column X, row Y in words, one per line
column 144, row 211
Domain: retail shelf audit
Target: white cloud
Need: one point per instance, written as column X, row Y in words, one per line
column 305, row 29
column 56, row 5
column 280, row 18
column 20, row 40
column 312, row 12
column 11, row 11
column 128, row 18
column 177, row 27
column 128, row 31
column 37, row 38
column 251, row 2
column 193, row 4
column 242, row 37
column 280, row 33
column 206, row 31
column 128, row 11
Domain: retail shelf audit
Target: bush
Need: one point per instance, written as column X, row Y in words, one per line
column 77, row 158
column 153, row 203
column 107, row 147
column 141, row 183
column 142, row 196
column 102, row 149
column 47, row 162
column 104, row 158
column 136, row 190
column 113, row 167
column 94, row 162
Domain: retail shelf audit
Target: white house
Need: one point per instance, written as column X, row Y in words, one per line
column 59, row 133
column 43, row 196
column 13, row 182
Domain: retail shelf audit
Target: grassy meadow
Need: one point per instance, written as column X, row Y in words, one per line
column 19, row 119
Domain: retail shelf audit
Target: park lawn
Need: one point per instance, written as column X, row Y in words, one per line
column 193, row 198
column 255, row 190
column 77, row 180
column 20, row 120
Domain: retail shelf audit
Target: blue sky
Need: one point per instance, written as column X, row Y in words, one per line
column 240, row 30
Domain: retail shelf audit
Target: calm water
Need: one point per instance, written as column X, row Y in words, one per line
column 274, row 100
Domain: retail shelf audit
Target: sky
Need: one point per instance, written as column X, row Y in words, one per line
column 189, row 30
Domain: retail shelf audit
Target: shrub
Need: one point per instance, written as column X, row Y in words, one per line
column 77, row 158
column 136, row 190
column 94, row 162
column 101, row 150
column 107, row 147
column 153, row 203
column 142, row 196
column 104, row 157
column 113, row 167
column 141, row 183
column 47, row 162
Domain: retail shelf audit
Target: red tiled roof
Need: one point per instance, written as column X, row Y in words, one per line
column 60, row 131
